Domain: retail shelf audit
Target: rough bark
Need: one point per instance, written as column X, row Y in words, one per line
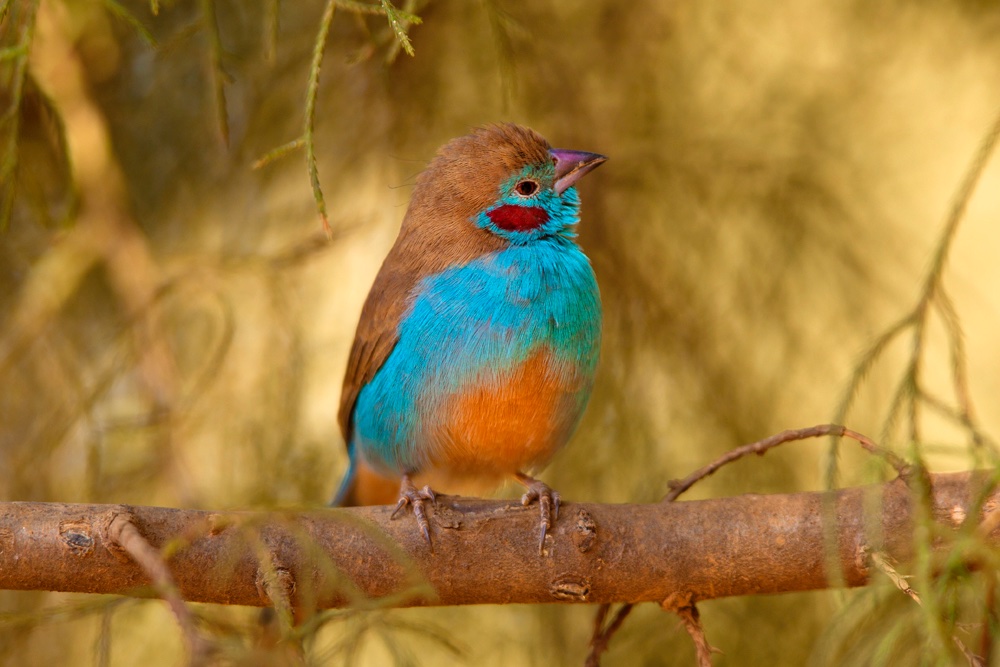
column 484, row 551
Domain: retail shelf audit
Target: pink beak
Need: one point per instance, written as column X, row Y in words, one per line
column 572, row 165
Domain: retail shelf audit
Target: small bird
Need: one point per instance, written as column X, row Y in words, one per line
column 476, row 350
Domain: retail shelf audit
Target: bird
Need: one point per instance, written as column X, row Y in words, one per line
column 477, row 346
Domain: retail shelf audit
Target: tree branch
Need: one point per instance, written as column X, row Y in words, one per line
column 486, row 552
column 603, row 633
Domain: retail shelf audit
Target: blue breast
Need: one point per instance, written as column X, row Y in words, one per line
column 467, row 323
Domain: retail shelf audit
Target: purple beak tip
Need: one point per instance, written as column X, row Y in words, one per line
column 572, row 165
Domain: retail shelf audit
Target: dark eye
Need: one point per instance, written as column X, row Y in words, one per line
column 526, row 188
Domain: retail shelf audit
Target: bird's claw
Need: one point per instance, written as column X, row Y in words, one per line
column 409, row 495
column 548, row 504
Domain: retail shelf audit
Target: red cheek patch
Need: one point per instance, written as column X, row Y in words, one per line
column 513, row 218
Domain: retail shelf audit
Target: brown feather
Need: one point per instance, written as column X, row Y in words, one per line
column 370, row 488
column 437, row 233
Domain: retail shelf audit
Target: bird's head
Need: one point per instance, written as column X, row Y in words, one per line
column 504, row 180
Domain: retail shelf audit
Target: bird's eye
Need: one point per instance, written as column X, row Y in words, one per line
column 526, row 188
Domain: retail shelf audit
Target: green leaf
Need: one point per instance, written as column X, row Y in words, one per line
column 279, row 152
column 399, row 25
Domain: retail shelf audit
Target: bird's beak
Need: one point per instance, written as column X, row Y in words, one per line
column 571, row 165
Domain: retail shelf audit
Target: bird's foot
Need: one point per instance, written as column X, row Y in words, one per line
column 409, row 495
column 548, row 503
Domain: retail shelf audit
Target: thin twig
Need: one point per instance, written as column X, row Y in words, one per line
column 931, row 296
column 312, row 92
column 990, row 621
column 989, row 523
column 684, row 606
column 400, row 22
column 11, row 116
column 602, row 635
column 962, row 198
column 963, row 419
column 881, row 562
column 278, row 153
column 677, row 487
column 960, row 379
column 904, row 396
column 122, row 532
column 217, row 73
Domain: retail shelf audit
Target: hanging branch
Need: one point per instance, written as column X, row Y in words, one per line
column 933, row 299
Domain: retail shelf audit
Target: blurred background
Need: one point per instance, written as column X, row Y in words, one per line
column 174, row 329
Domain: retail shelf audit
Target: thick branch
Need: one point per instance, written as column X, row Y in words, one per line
column 484, row 551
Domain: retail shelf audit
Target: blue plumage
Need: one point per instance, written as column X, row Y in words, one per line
column 476, row 348
column 468, row 322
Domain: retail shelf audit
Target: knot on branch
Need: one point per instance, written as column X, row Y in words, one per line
column 585, row 531
column 571, row 587
column 77, row 537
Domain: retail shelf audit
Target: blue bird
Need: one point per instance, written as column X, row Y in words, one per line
column 476, row 350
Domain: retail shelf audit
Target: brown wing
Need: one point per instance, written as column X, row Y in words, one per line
column 378, row 331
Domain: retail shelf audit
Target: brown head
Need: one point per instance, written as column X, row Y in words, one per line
column 473, row 175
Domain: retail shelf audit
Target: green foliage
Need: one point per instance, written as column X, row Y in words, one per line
column 399, row 21
column 17, row 24
column 124, row 14
column 910, row 394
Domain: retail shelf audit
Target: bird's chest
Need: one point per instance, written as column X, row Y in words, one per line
column 487, row 319
column 501, row 355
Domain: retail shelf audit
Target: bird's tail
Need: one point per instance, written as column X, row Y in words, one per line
column 344, row 497
column 362, row 485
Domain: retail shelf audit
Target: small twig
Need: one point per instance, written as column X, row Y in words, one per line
column 692, row 623
column 990, row 522
column 990, row 623
column 602, row 635
column 399, row 25
column 932, row 295
column 960, row 377
column 277, row 153
column 973, row 659
column 218, row 74
column 123, row 533
column 677, row 487
column 684, row 606
column 881, row 563
column 312, row 92
column 963, row 418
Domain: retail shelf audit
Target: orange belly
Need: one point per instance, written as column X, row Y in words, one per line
column 512, row 422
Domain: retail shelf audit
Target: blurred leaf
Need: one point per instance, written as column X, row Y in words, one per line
column 312, row 91
column 279, row 152
column 121, row 12
column 219, row 75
